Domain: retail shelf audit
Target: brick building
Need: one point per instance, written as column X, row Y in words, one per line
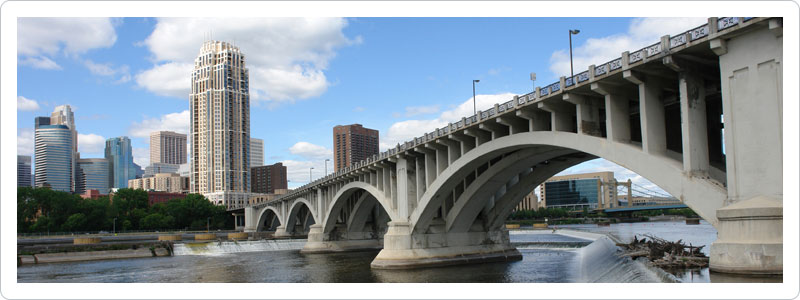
column 353, row 143
column 267, row 179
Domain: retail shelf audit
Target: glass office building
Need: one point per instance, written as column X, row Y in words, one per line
column 120, row 158
column 54, row 157
column 573, row 193
column 93, row 174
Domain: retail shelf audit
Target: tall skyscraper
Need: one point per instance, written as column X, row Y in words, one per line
column 167, row 147
column 53, row 156
column 63, row 115
column 23, row 170
column 93, row 174
column 119, row 154
column 352, row 143
column 256, row 152
column 220, row 125
column 267, row 179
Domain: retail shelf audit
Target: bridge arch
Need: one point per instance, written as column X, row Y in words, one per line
column 294, row 212
column 341, row 197
column 265, row 215
column 701, row 194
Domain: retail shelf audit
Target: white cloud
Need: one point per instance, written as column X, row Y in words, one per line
column 297, row 171
column 404, row 131
column 25, row 104
column 421, row 110
column 108, row 70
column 311, row 151
column 642, row 32
column 91, row 143
column 39, row 39
column 141, row 156
column 168, row 79
column 40, row 62
column 25, row 138
column 359, row 109
column 287, row 57
column 177, row 122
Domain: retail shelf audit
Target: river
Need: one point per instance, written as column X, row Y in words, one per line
column 546, row 257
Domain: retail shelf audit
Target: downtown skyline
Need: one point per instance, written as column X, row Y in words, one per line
column 389, row 74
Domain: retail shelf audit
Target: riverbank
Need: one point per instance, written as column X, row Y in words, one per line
column 89, row 248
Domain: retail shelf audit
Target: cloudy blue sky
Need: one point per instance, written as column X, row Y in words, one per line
column 401, row 76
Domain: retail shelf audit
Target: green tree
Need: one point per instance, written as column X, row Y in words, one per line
column 75, row 222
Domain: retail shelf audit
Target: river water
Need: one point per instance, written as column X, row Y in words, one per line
column 546, row 257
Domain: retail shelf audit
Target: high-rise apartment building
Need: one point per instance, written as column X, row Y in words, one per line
column 220, row 125
column 24, row 170
column 119, row 154
column 267, row 179
column 53, row 156
column 256, row 152
column 353, row 143
column 167, row 147
column 93, row 174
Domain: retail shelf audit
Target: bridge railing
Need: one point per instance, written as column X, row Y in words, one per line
column 602, row 70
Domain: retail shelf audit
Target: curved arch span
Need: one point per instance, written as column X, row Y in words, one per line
column 263, row 214
column 340, row 199
column 702, row 195
column 294, row 209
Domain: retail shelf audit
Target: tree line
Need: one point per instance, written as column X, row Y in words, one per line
column 46, row 210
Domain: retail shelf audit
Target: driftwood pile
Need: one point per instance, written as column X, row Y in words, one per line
column 665, row 254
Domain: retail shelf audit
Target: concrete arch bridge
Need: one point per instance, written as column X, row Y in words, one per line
column 660, row 111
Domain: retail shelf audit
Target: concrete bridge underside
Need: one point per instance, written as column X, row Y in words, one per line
column 443, row 198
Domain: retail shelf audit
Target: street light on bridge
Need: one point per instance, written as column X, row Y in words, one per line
column 474, row 109
column 309, row 174
column 326, row 166
column 571, row 32
column 533, row 79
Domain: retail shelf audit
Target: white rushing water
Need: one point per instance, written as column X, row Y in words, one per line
column 225, row 247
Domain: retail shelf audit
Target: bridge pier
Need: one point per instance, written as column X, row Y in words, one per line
column 750, row 237
column 320, row 242
column 406, row 250
column 750, row 228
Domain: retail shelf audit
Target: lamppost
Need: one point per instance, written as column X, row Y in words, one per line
column 474, row 109
column 326, row 166
column 114, row 230
column 571, row 32
column 533, row 79
column 309, row 174
column 208, row 224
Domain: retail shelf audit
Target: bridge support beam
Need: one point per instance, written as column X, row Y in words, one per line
column 750, row 228
column 404, row 249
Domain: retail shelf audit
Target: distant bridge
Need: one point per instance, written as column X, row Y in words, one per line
column 443, row 197
column 644, row 207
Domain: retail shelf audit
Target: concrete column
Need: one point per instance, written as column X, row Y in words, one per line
column 430, row 167
column 420, row 177
column 561, row 116
column 250, row 219
column 750, row 229
column 405, row 187
column 320, row 210
column 587, row 112
column 651, row 113
column 694, row 127
column 537, row 119
column 618, row 122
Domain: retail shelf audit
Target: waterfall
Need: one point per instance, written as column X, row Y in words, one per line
column 212, row 248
